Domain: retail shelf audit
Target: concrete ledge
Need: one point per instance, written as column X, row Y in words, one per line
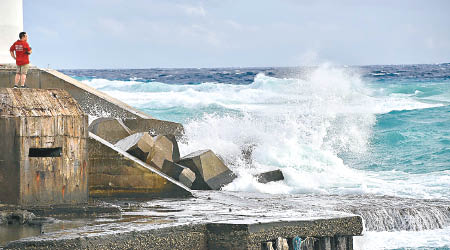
column 115, row 173
column 178, row 237
column 210, row 220
column 240, row 235
column 92, row 101
column 154, row 126
column 194, row 236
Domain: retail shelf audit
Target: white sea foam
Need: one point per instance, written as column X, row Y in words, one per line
column 429, row 239
column 342, row 90
column 300, row 125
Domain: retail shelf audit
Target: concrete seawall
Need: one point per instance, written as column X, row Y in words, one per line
column 92, row 101
column 192, row 220
column 111, row 173
column 210, row 220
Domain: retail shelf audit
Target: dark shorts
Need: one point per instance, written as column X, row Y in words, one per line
column 22, row 69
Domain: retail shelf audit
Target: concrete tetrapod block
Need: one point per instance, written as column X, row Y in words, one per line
column 165, row 148
column 178, row 172
column 110, row 129
column 211, row 172
column 138, row 145
column 175, row 148
column 275, row 175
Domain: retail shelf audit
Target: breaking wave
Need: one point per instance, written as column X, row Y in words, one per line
column 315, row 128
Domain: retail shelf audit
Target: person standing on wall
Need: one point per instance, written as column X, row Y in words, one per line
column 20, row 51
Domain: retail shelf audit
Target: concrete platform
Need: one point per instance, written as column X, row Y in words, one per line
column 210, row 220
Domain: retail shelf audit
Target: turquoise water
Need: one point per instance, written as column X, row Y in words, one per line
column 413, row 141
column 376, row 129
column 382, row 130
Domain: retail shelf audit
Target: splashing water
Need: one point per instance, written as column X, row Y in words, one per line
column 301, row 126
column 317, row 126
column 344, row 132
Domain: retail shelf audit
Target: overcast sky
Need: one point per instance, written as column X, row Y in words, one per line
column 235, row 33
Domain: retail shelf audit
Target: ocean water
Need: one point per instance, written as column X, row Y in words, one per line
column 369, row 130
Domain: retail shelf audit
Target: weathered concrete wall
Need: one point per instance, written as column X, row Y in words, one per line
column 44, row 133
column 115, row 173
column 179, row 237
column 96, row 103
column 251, row 236
column 204, row 236
column 9, row 160
column 92, row 101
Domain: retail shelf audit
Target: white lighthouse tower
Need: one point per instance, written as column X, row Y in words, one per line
column 11, row 24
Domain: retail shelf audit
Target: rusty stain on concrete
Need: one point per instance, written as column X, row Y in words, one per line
column 44, row 135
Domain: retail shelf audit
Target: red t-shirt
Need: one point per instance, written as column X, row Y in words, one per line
column 20, row 47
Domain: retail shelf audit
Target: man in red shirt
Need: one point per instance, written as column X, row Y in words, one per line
column 22, row 51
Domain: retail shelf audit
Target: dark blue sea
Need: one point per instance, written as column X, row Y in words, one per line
column 378, row 130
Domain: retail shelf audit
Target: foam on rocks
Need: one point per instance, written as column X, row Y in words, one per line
column 211, row 172
column 275, row 175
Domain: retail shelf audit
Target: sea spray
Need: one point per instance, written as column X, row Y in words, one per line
column 320, row 126
column 298, row 125
column 381, row 130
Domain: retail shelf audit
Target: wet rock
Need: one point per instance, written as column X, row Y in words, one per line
column 210, row 171
column 23, row 216
column 16, row 217
column 138, row 145
column 109, row 129
column 308, row 243
column 179, row 172
column 3, row 217
column 267, row 245
column 281, row 244
column 275, row 175
column 247, row 152
column 165, row 148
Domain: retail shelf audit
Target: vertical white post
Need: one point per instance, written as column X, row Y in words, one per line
column 11, row 24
